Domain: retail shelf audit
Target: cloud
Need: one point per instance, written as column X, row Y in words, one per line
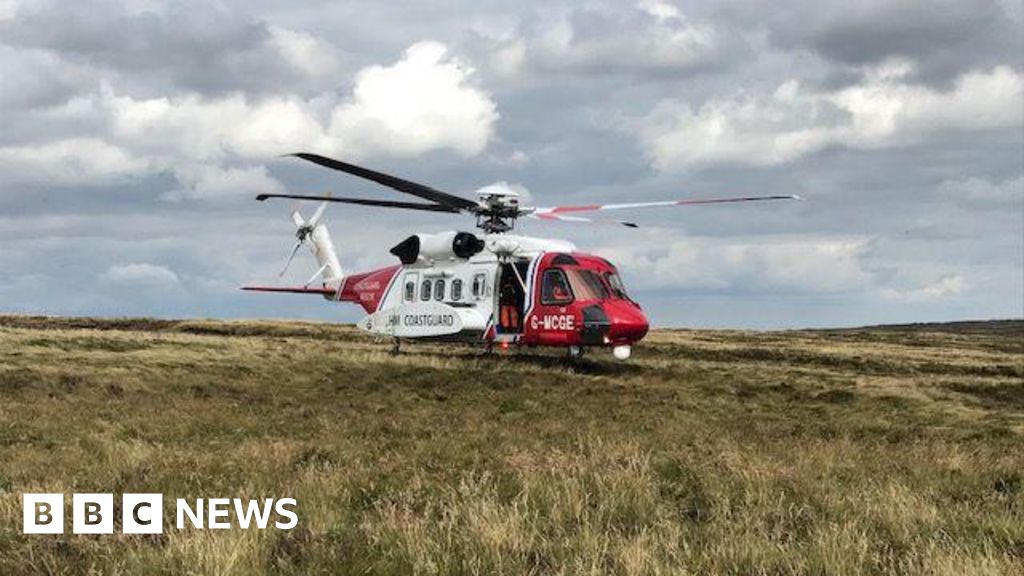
column 140, row 275
column 660, row 10
column 175, row 47
column 944, row 38
column 136, row 138
column 650, row 38
column 423, row 102
column 8, row 8
column 884, row 111
column 215, row 183
column 945, row 287
column 43, row 79
column 72, row 161
column 203, row 129
column 982, row 195
column 803, row 265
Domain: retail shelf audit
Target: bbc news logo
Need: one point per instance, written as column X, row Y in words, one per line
column 144, row 513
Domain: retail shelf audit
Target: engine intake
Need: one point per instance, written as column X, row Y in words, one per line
column 443, row 246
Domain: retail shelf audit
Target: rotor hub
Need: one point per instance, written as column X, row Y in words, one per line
column 498, row 209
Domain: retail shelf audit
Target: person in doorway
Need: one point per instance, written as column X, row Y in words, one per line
column 508, row 308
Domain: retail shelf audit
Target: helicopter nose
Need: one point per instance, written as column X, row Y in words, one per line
column 627, row 322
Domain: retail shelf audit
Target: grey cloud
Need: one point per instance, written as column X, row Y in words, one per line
column 608, row 40
column 945, row 38
column 38, row 79
column 182, row 47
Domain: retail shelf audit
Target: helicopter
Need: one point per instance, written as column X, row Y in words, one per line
column 495, row 288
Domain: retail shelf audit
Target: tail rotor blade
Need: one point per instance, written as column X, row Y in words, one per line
column 297, row 218
column 291, row 257
column 315, row 219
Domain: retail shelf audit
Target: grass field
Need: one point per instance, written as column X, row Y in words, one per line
column 874, row 451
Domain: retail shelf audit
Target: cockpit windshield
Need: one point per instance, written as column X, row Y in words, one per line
column 615, row 283
column 586, row 284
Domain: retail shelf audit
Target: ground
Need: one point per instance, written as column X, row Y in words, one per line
column 873, row 451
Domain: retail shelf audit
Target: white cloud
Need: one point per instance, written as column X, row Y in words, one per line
column 148, row 136
column 423, row 102
column 945, row 287
column 305, row 52
column 210, row 182
column 653, row 35
column 794, row 266
column 792, row 122
column 659, row 9
column 143, row 275
column 649, row 39
column 201, row 129
column 71, row 161
column 8, row 8
column 980, row 194
column 801, row 265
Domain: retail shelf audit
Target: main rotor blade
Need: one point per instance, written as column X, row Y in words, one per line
column 548, row 217
column 593, row 207
column 366, row 202
column 420, row 190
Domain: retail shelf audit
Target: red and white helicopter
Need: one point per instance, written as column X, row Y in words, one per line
column 495, row 288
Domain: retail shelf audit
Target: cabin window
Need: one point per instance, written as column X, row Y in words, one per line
column 555, row 288
column 439, row 289
column 457, row 289
column 410, row 288
column 479, row 286
column 425, row 290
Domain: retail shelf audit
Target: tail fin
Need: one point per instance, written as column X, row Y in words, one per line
column 320, row 244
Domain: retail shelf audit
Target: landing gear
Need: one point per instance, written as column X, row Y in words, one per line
column 573, row 358
column 396, row 346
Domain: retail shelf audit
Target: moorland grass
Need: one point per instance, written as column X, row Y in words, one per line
column 868, row 451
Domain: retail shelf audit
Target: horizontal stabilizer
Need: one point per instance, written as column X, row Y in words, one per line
column 322, row 291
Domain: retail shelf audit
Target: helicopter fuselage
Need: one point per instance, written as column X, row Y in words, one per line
column 550, row 296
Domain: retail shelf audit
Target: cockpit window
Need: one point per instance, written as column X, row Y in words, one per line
column 586, row 284
column 555, row 288
column 615, row 283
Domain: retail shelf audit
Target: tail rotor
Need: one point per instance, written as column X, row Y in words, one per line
column 304, row 232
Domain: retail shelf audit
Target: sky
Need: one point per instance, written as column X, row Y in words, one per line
column 136, row 134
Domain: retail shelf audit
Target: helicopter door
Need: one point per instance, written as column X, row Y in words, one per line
column 511, row 297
